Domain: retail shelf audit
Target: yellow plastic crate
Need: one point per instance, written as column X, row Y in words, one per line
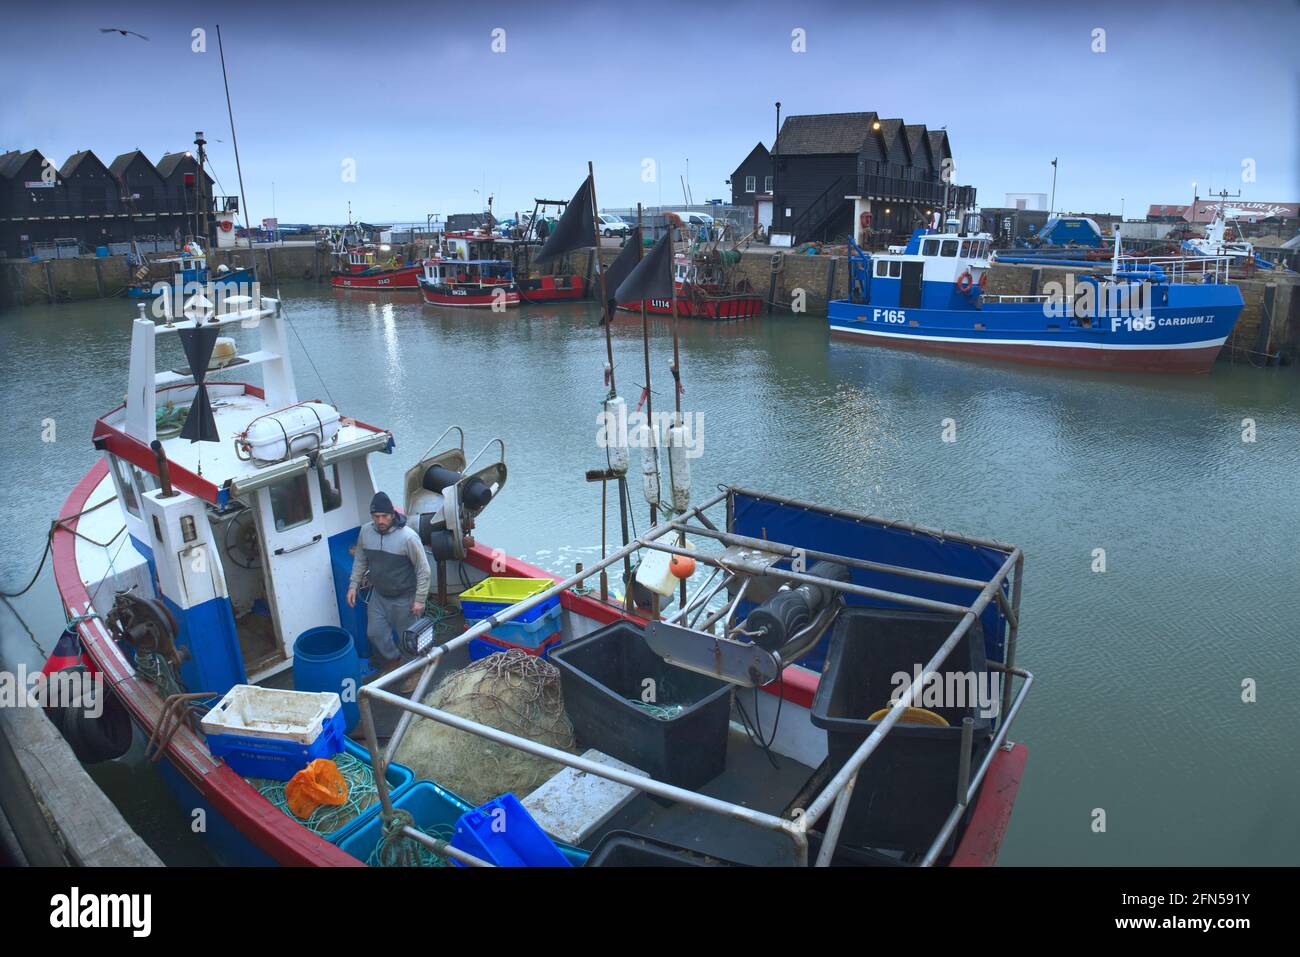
column 491, row 595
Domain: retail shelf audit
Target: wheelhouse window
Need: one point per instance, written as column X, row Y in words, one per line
column 965, row 249
column 930, row 247
column 331, row 495
column 949, row 248
column 882, row 268
column 895, row 268
column 126, row 487
column 144, row 481
column 290, row 503
column 751, row 184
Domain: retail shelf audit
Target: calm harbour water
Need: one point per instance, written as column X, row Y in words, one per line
column 1138, row 708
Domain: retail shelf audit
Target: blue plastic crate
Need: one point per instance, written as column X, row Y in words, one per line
column 528, row 634
column 278, row 758
column 478, row 610
column 517, row 841
column 400, row 779
column 430, row 805
column 274, row 759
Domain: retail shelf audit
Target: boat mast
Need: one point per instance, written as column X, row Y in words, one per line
column 243, row 197
column 623, row 502
column 645, row 344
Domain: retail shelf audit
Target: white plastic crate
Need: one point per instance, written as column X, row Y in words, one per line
column 255, row 712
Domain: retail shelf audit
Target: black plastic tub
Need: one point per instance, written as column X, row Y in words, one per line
column 604, row 673
column 908, row 786
column 627, row 849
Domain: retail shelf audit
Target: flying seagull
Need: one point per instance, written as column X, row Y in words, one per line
column 124, row 33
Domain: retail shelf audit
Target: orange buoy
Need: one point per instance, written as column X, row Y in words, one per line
column 683, row 566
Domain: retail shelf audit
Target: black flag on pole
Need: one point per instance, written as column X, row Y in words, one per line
column 653, row 276
column 198, row 344
column 622, row 267
column 575, row 229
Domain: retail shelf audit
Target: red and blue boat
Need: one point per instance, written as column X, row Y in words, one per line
column 462, row 272
column 189, row 568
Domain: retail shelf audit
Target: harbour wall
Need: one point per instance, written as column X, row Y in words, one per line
column 1269, row 326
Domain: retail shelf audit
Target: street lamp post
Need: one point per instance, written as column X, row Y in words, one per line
column 776, row 202
column 1052, row 210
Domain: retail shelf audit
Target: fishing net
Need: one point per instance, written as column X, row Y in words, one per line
column 359, row 778
column 511, row 691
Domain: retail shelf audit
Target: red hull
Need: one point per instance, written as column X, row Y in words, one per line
column 1184, row 361
column 546, row 289
column 405, row 278
column 436, row 298
column 721, row 307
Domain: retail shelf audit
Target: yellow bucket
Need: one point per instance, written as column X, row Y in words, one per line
column 918, row 716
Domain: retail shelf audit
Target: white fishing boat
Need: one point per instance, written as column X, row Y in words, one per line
column 213, row 535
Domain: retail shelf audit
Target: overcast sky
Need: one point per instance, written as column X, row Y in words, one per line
column 431, row 117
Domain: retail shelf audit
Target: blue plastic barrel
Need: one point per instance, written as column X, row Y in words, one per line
column 325, row 659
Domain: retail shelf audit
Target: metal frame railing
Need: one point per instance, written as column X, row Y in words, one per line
column 836, row 794
column 1177, row 269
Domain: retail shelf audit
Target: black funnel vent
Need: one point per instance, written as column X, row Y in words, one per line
column 198, row 344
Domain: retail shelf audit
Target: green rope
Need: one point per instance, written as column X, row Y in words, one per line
column 442, row 618
column 328, row 818
column 171, row 417
column 398, row 849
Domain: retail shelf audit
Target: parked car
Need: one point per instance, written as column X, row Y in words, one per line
column 611, row 226
column 695, row 219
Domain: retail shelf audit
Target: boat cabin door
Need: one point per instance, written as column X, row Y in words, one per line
column 296, row 556
column 909, row 291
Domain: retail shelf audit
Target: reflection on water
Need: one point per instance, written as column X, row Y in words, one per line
column 1138, row 709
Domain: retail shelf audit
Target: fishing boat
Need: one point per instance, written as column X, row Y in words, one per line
column 189, row 271
column 561, row 288
column 361, row 268
column 705, row 288
column 193, row 561
column 1222, row 240
column 1169, row 314
column 463, row 271
column 527, row 241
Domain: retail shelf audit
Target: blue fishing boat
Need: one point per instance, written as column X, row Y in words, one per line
column 190, row 272
column 1144, row 315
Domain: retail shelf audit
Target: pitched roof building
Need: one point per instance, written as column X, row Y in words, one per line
column 827, row 164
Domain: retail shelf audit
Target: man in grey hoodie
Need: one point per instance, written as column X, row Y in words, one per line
column 399, row 571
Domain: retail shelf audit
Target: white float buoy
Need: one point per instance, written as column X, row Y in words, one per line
column 616, row 434
column 679, row 467
column 645, row 437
